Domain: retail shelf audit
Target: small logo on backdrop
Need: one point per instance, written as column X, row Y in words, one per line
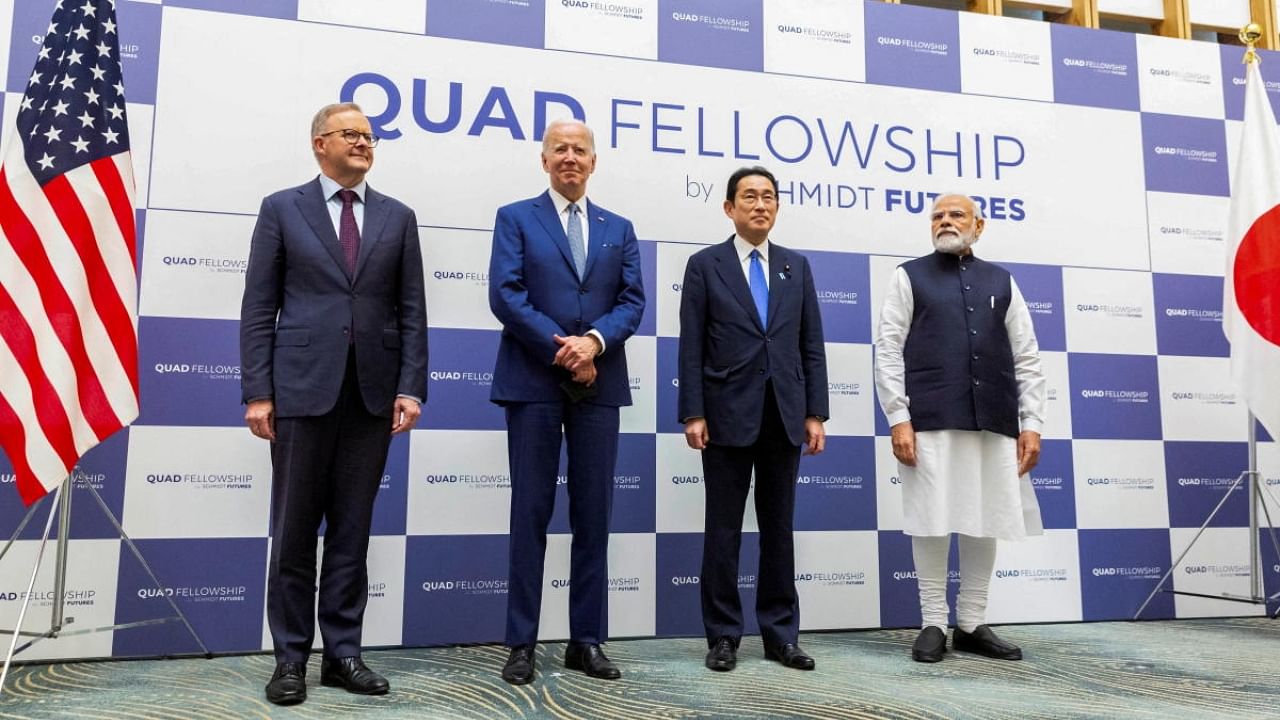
column 1047, row 483
column 1135, row 572
column 1113, row 310
column 490, row 586
column 1041, row 307
column 1186, row 153
column 832, row 482
column 1097, row 66
column 198, row 593
column 1184, row 76
column 921, row 46
column 832, row 578
column 1221, row 570
column 210, row 264
column 204, row 370
column 606, row 9
column 1016, row 57
column 838, row 297
column 202, row 481
column 717, row 22
column 44, row 598
column 1041, row 574
column 487, row 481
column 1220, row 483
column 1128, row 397
column 845, row 389
column 819, row 34
column 468, row 377
column 625, row 482
column 1123, row 483
column 1211, row 234
column 1201, row 314
column 624, row 584
column 686, row 479
column 377, row 590
column 1207, row 398
column 462, row 276
column 904, row 575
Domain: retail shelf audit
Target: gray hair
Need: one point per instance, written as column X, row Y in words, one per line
column 561, row 122
column 977, row 207
column 328, row 111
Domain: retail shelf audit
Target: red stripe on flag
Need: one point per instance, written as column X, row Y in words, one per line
column 13, row 439
column 1256, row 275
column 50, row 413
column 121, row 206
column 59, row 309
column 106, row 299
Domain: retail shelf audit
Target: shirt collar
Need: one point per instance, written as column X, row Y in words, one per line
column 744, row 249
column 329, row 187
column 561, row 202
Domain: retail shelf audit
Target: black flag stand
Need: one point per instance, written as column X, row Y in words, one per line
column 59, row 621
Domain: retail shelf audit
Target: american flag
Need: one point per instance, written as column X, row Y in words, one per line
column 68, row 288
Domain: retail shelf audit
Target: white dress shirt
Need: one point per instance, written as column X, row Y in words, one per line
column 744, row 249
column 562, row 204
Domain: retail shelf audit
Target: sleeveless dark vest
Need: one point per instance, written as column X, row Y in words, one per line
column 959, row 364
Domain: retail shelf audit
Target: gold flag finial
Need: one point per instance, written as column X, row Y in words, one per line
column 1250, row 35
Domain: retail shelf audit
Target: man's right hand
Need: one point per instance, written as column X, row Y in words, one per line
column 695, row 433
column 904, row 443
column 260, row 416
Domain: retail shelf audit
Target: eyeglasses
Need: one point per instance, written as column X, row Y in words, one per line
column 353, row 136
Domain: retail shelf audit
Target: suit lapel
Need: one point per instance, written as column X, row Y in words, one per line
column 545, row 211
column 779, row 279
column 729, row 268
column 595, row 225
column 375, row 217
column 311, row 202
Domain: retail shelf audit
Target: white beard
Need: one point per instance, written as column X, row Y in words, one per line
column 953, row 243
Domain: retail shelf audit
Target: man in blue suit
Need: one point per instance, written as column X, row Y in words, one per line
column 753, row 390
column 564, row 280
column 333, row 355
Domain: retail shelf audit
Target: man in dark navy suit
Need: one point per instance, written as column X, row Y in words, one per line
column 333, row 352
column 753, row 390
column 564, row 280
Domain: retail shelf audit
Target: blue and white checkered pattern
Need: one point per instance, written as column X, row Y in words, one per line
column 1102, row 160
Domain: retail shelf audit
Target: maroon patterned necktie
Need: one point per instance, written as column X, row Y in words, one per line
column 348, row 231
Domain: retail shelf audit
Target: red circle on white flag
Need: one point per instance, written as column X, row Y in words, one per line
column 1256, row 276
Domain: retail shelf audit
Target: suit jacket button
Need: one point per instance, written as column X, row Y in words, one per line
column 582, row 291
column 761, row 371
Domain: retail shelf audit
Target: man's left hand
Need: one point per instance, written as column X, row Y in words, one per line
column 815, row 436
column 405, row 415
column 576, row 351
column 1028, row 451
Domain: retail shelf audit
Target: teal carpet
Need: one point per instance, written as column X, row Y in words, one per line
column 1175, row 669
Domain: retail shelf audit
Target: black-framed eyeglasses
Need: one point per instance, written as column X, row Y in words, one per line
column 354, row 136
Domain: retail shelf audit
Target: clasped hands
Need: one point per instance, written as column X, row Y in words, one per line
column 577, row 354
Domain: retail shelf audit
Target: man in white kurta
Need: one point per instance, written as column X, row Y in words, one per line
column 958, row 376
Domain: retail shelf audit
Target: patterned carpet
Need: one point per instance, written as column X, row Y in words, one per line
column 1176, row 669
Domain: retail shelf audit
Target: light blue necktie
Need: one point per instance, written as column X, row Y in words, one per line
column 576, row 248
column 759, row 288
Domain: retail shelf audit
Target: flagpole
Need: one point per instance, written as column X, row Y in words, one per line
column 1249, row 35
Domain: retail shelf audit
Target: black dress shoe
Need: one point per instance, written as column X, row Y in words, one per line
column 351, row 674
column 723, row 656
column 288, row 684
column 790, row 655
column 519, row 667
column 930, row 644
column 590, row 659
column 983, row 641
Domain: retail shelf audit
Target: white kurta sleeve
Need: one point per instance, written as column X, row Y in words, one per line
column 1026, row 362
column 891, row 338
